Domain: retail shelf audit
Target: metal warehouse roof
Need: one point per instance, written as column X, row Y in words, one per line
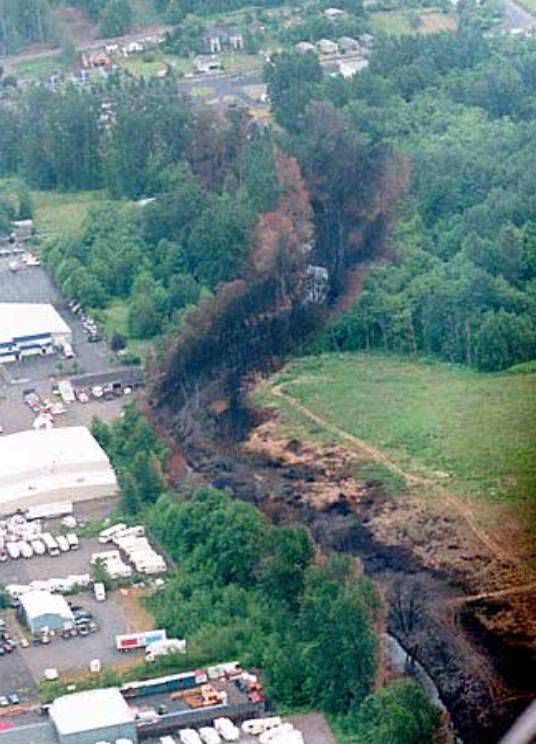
column 90, row 710
column 39, row 603
column 24, row 319
column 63, row 458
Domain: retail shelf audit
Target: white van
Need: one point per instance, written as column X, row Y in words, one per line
column 227, row 730
column 25, row 549
column 189, row 736
column 63, row 543
column 100, row 591
column 73, row 541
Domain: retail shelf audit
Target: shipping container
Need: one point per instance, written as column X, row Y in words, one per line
column 171, row 683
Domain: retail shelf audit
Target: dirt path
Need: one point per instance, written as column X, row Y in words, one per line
column 463, row 510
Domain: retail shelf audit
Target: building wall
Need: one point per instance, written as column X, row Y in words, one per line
column 52, row 621
column 126, row 731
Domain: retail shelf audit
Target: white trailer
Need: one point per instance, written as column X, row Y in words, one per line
column 25, row 549
column 189, row 736
column 226, row 729
column 50, row 544
column 52, row 510
column 63, row 543
column 38, row 547
column 73, row 541
column 13, row 550
column 106, row 535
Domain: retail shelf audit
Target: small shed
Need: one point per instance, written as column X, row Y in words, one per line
column 93, row 716
column 41, row 610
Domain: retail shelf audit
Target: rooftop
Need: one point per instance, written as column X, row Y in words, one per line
column 40, row 603
column 63, row 458
column 93, row 709
column 22, row 319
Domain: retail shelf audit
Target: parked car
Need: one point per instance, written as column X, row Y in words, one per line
column 94, row 338
column 97, row 391
column 13, row 698
column 4, row 702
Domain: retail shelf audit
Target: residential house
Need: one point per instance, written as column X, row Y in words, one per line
column 205, row 63
column 217, row 38
column 347, row 45
column 326, row 46
column 334, row 13
column 349, row 68
column 305, row 46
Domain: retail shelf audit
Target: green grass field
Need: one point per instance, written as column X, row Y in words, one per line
column 114, row 319
column 62, row 213
column 427, row 417
column 398, row 22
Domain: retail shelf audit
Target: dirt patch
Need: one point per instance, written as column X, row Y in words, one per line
column 75, row 25
column 137, row 617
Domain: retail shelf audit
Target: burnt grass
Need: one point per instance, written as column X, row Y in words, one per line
column 476, row 672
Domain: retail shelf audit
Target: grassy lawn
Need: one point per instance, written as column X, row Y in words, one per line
column 114, row 319
column 236, row 62
column 137, row 66
column 398, row 22
column 58, row 213
column 427, row 417
column 41, row 67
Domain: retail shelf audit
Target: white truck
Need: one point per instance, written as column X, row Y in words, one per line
column 100, row 591
column 164, row 647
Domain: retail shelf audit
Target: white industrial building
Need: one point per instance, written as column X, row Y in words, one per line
column 42, row 610
column 93, row 716
column 29, row 329
column 66, row 463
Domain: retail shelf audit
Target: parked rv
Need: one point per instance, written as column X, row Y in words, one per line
column 50, row 544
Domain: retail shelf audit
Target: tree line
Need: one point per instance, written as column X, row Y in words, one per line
column 207, row 178
column 460, row 277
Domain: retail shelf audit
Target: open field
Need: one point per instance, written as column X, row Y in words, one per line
column 399, row 22
column 472, row 433
column 60, row 213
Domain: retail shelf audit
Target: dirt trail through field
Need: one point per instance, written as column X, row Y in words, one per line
column 463, row 510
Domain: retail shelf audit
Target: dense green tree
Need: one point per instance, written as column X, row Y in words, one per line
column 115, row 18
column 293, row 79
column 397, row 714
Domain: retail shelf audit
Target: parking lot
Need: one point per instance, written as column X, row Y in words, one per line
column 34, row 285
column 121, row 612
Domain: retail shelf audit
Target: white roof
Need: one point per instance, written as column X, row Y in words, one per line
column 90, row 710
column 63, row 459
column 38, row 603
column 21, row 319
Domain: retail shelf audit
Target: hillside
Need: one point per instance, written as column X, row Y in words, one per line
column 475, row 433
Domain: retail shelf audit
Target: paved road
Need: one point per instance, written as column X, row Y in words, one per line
column 9, row 62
